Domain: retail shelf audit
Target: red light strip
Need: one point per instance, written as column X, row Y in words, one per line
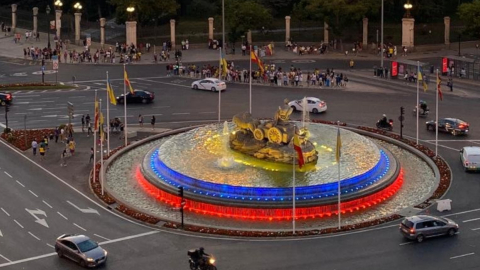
column 270, row 213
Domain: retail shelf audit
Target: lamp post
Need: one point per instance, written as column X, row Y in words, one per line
column 48, row 30
column 381, row 38
column 78, row 16
column 130, row 11
column 459, row 42
column 58, row 6
column 407, row 7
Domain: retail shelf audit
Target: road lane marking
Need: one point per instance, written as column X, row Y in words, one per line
column 78, row 226
column 78, row 97
column 476, row 229
column 101, row 237
column 180, row 113
column 34, row 236
column 33, row 193
column 406, row 243
column 161, row 107
column 470, row 220
column 207, row 112
column 50, row 245
column 463, row 255
column 6, row 213
column 128, row 237
column 84, row 210
column 62, row 215
column 5, row 258
column 460, row 213
column 20, row 183
column 47, row 204
column 186, row 86
column 8, row 174
column 18, row 223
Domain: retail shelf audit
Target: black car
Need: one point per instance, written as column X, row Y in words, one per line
column 5, row 98
column 138, row 96
column 450, row 125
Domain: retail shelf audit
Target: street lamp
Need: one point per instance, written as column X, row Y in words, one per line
column 78, row 7
column 130, row 10
column 48, row 30
column 58, row 5
column 407, row 7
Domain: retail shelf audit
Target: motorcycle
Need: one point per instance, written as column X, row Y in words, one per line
column 388, row 127
column 421, row 113
column 209, row 262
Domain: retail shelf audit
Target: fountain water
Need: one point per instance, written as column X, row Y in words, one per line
column 227, row 160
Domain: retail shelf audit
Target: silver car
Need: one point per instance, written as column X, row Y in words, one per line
column 80, row 249
column 423, row 226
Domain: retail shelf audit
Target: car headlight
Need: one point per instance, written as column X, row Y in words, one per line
column 105, row 253
column 211, row 261
column 90, row 260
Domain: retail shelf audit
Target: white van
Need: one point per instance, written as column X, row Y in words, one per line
column 470, row 157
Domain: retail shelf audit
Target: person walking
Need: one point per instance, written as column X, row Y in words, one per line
column 63, row 157
column 89, row 129
column 83, row 123
column 42, row 150
column 57, row 134
column 91, row 155
column 352, row 63
column 45, row 141
column 140, row 120
column 153, row 122
column 71, row 146
column 34, row 146
column 450, row 84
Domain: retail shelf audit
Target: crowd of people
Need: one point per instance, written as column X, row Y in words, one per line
column 63, row 135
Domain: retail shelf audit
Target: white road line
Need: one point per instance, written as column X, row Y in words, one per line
column 50, row 245
column 128, row 237
column 34, row 236
column 77, row 97
column 186, row 86
column 62, row 215
column 79, row 227
column 20, row 183
column 463, row 255
column 101, row 237
column 460, row 213
column 180, row 113
column 6, row 213
column 44, row 91
column 207, row 112
column 161, row 107
column 8, row 174
column 33, row 193
column 476, row 229
column 5, row 258
column 470, row 220
column 406, row 243
column 18, row 223
column 47, row 204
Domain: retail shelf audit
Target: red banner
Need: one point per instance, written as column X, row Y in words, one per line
column 444, row 65
column 394, row 69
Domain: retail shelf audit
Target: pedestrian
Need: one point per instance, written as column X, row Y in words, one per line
column 57, row 134
column 34, row 146
column 71, row 146
column 89, row 129
column 450, row 84
column 62, row 134
column 83, row 123
column 87, row 119
column 42, row 151
column 91, row 154
column 153, row 122
column 351, row 63
column 45, row 141
column 140, row 120
column 63, row 157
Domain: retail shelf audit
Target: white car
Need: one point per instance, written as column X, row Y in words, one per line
column 470, row 157
column 212, row 84
column 315, row 105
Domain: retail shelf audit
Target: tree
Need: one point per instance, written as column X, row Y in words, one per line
column 201, row 9
column 145, row 10
column 242, row 16
column 470, row 14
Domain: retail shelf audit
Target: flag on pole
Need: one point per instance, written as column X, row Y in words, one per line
column 111, row 94
column 298, row 149
column 127, row 81
column 420, row 78
column 257, row 60
column 223, row 63
column 338, row 150
column 97, row 115
column 439, row 82
column 102, row 132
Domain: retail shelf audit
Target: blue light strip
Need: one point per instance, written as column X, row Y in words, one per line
column 350, row 185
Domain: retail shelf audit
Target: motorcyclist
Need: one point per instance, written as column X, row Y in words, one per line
column 423, row 106
column 199, row 257
column 384, row 121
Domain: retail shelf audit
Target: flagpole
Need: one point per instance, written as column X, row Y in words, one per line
column 108, row 116
column 100, row 127
column 418, row 94
column 436, row 118
column 125, row 105
column 293, row 198
column 250, row 78
column 220, row 78
column 94, row 140
column 339, row 190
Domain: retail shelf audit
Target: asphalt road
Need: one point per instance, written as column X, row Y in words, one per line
column 28, row 190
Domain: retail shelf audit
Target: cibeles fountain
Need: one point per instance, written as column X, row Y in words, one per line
column 242, row 170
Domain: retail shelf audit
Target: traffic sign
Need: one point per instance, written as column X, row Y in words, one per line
column 55, row 62
column 401, row 118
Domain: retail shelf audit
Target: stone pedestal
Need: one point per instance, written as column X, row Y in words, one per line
column 14, row 18
column 408, row 27
column 249, row 37
column 325, row 32
column 210, row 28
column 172, row 33
column 78, row 17
column 58, row 21
column 365, row 33
column 131, row 27
column 446, row 21
column 103, row 21
column 287, row 28
column 35, row 19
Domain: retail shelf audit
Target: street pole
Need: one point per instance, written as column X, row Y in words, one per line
column 25, row 127
column 381, row 39
column 125, row 106
column 223, row 28
column 459, row 42
column 100, row 128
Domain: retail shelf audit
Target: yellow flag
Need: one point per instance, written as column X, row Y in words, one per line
column 338, row 152
column 111, row 94
column 102, row 133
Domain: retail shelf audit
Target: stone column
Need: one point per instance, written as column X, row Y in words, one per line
column 131, row 32
column 103, row 21
column 35, row 19
column 365, row 33
column 325, row 32
column 172, row 33
column 249, row 37
column 14, row 18
column 408, row 27
column 58, row 19
column 78, row 17
column 210, row 28
column 446, row 21
column 287, row 28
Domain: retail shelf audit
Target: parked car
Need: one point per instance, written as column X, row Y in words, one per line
column 211, row 84
column 470, row 158
column 138, row 96
column 80, row 249
column 5, row 98
column 424, row 226
column 315, row 105
column 450, row 125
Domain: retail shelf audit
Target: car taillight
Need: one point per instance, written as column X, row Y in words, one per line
column 412, row 230
column 322, row 104
column 9, row 97
column 461, row 126
column 466, row 162
column 391, row 123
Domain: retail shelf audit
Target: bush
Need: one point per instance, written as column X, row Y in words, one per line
column 7, row 130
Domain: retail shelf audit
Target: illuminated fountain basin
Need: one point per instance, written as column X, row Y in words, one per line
column 250, row 188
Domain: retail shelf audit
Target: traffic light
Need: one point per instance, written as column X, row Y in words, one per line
column 402, row 110
column 180, row 192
